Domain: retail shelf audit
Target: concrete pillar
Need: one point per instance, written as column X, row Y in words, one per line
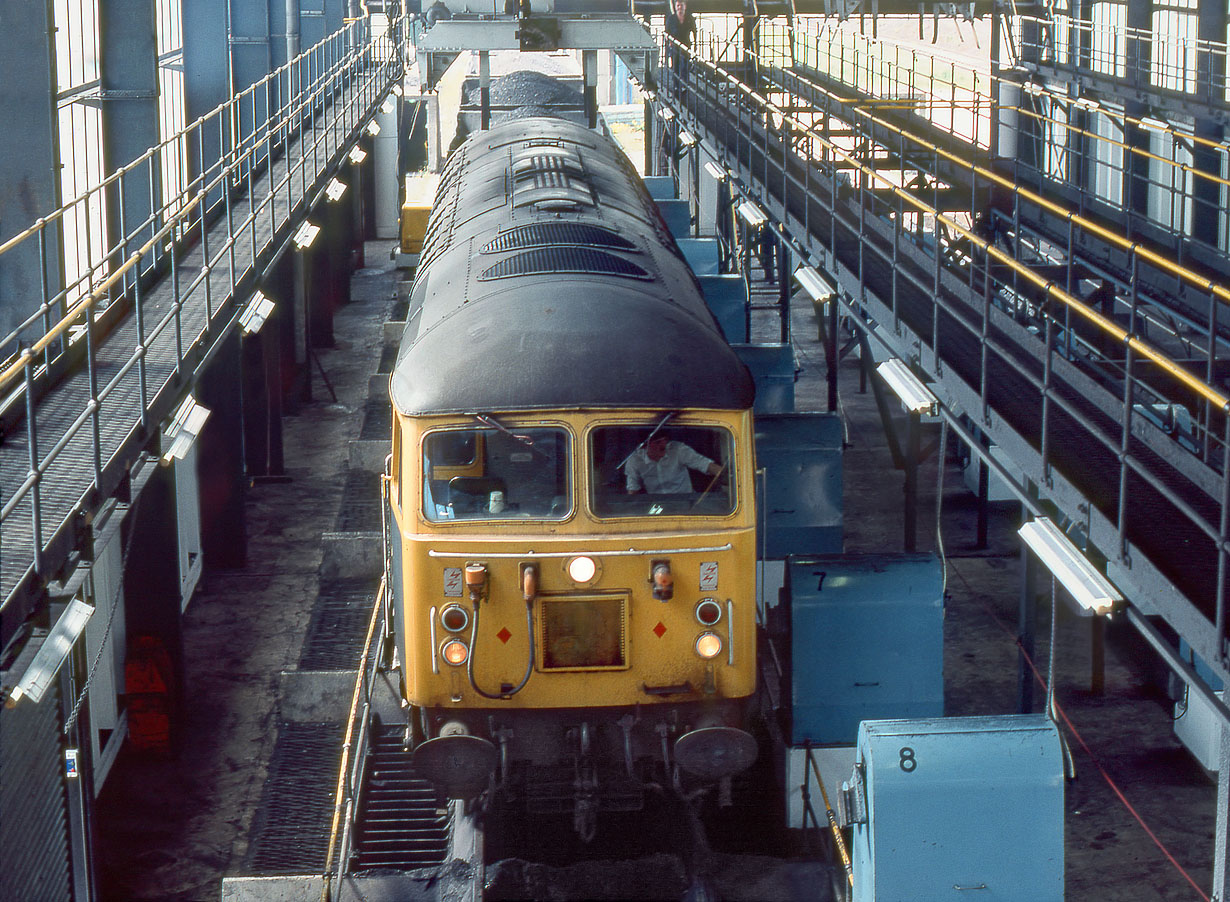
column 29, row 175
column 220, row 470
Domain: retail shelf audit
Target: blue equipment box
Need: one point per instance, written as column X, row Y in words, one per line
column 772, row 367
column 866, row 642
column 726, row 296
column 703, row 255
column 800, row 489
column 956, row 809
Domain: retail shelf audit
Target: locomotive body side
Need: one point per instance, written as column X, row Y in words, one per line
column 544, row 616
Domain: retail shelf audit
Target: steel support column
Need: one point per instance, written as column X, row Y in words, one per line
column 207, row 76
column 129, row 68
column 29, row 172
column 912, row 453
column 589, row 70
column 1027, row 619
column 1221, row 840
column 220, row 469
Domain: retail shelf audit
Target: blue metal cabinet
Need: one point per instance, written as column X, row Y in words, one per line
column 867, row 642
column 660, row 187
column 726, row 296
column 702, row 254
column 772, row 367
column 958, row 808
column 677, row 216
column 800, row 489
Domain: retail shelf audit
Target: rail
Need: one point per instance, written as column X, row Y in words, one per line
column 1160, row 417
column 812, row 768
column 1184, row 190
column 354, row 753
column 129, row 332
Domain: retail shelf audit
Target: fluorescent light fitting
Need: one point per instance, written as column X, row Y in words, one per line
column 397, row 90
column 373, row 128
column 335, row 189
column 306, row 235
column 718, row 173
column 916, row 397
column 1032, row 87
column 255, row 313
column 52, row 653
column 687, row 139
column 817, row 288
column 357, row 155
column 186, row 424
column 1087, row 103
column 665, row 113
column 1153, row 124
column 387, row 106
column 752, row 214
column 1092, row 591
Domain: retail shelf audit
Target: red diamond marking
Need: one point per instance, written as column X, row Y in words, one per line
column 504, row 635
column 660, row 629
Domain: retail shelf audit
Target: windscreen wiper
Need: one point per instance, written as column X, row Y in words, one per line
column 488, row 420
column 662, row 422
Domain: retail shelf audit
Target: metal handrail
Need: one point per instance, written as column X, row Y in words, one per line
column 224, row 113
column 344, row 77
column 1110, row 328
column 779, row 151
column 342, row 825
column 1047, row 286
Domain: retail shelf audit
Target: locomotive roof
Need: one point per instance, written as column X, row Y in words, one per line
column 548, row 280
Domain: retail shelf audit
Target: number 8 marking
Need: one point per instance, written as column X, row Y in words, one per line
column 908, row 762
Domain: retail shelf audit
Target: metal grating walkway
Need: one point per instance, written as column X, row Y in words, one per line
column 290, row 832
column 64, row 454
column 338, row 625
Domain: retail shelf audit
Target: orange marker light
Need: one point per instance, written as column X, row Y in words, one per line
column 455, row 652
column 708, row 645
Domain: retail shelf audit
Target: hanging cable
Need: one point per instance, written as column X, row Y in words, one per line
column 1114, row 787
column 529, row 665
column 941, row 457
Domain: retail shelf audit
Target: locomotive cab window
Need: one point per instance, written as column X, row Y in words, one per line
column 493, row 474
column 684, row 470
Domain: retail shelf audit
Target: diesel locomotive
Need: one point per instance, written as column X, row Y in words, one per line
column 568, row 628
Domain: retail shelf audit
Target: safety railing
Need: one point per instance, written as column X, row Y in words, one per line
column 354, row 753
column 1158, row 60
column 1091, row 379
column 144, row 315
column 949, row 95
column 834, row 850
column 1156, row 179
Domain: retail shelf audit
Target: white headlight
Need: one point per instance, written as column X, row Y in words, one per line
column 582, row 569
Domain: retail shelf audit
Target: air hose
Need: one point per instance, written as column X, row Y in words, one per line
column 529, row 667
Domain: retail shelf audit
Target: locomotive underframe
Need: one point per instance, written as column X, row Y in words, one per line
column 557, row 757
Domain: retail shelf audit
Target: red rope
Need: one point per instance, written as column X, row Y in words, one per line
column 1094, row 758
